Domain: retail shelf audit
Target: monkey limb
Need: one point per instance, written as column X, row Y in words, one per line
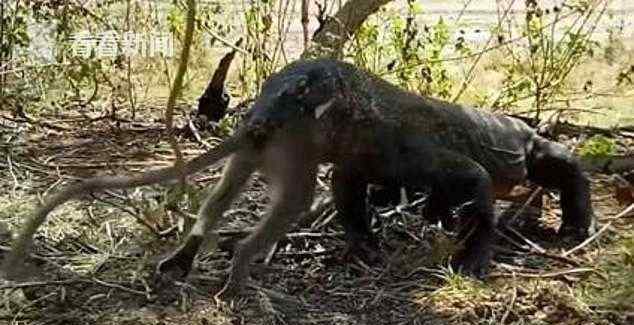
column 23, row 241
column 289, row 163
column 235, row 175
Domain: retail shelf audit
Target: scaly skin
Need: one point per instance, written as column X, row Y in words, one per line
column 374, row 133
column 373, row 127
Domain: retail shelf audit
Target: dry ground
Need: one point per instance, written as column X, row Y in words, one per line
column 93, row 261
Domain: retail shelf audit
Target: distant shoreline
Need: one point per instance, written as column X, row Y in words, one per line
column 494, row 12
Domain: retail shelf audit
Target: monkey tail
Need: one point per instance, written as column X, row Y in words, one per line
column 22, row 243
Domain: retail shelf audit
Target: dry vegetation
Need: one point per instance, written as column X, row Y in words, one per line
column 93, row 261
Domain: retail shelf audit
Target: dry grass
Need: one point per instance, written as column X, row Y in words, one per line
column 95, row 260
column 612, row 104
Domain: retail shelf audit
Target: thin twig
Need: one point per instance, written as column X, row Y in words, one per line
column 84, row 9
column 550, row 274
column 197, row 136
column 317, row 225
column 598, row 233
column 29, row 304
column 15, row 178
column 403, row 207
column 303, row 234
column 527, row 250
column 223, row 40
column 153, row 163
column 35, row 257
column 316, row 210
column 305, row 22
column 476, row 54
column 20, row 113
column 270, row 254
column 22, row 285
column 528, row 201
column 510, row 306
column 526, row 240
column 118, row 286
column 468, row 78
column 625, row 213
column 134, row 214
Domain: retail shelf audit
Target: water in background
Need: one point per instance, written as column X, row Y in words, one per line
column 475, row 21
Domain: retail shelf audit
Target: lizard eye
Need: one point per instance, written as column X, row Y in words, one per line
column 299, row 89
column 302, row 87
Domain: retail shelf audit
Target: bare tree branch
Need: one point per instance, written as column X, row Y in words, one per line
column 337, row 30
column 305, row 22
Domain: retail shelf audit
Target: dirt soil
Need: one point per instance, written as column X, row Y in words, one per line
column 93, row 262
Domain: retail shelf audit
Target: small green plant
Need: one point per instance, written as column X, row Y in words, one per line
column 627, row 251
column 625, row 76
column 267, row 25
column 14, row 23
column 405, row 51
column 558, row 40
column 597, row 147
column 614, row 290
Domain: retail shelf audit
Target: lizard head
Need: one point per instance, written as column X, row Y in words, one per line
column 299, row 93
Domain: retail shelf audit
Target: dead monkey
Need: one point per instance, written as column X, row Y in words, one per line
column 329, row 111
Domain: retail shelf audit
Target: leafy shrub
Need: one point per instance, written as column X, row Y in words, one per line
column 597, row 147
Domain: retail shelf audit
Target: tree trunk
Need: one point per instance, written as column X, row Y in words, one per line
column 329, row 41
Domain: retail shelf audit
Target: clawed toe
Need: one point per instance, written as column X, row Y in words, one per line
column 228, row 292
column 578, row 233
column 174, row 266
column 366, row 250
column 476, row 267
